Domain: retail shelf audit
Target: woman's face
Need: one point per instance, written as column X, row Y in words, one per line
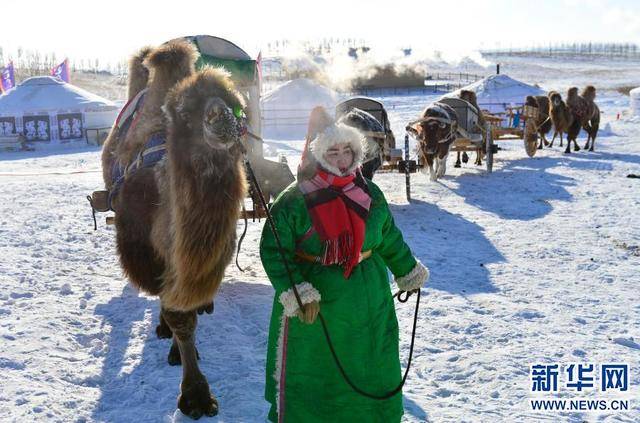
column 340, row 156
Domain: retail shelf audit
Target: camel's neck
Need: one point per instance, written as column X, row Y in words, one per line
column 206, row 183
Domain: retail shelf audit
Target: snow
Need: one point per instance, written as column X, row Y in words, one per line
column 46, row 93
column 497, row 91
column 634, row 94
column 536, row 262
column 286, row 109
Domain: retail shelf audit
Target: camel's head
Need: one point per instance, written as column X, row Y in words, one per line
column 437, row 125
column 589, row 92
column 206, row 110
column 220, row 126
column 572, row 93
column 555, row 98
column 530, row 101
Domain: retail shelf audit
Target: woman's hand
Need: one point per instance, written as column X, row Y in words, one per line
column 310, row 313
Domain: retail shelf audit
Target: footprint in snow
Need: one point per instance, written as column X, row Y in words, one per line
column 627, row 342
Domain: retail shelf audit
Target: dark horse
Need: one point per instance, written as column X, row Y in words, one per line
column 435, row 132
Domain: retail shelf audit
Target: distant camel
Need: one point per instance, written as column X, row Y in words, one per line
column 543, row 122
column 560, row 116
column 589, row 94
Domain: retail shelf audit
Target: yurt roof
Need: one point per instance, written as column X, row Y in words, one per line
column 501, row 88
column 47, row 94
column 300, row 93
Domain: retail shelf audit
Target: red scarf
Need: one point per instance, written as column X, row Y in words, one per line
column 338, row 206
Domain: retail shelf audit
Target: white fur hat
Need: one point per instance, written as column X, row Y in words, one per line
column 337, row 134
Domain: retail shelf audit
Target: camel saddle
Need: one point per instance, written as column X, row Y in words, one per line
column 152, row 152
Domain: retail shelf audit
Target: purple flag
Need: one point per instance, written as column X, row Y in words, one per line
column 7, row 78
column 62, row 71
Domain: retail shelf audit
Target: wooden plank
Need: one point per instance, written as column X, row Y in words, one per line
column 469, row 148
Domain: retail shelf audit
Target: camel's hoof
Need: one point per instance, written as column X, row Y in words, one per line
column 540, row 147
column 465, row 157
column 174, row 358
column 586, row 146
column 457, row 165
column 546, row 144
column 206, row 308
column 591, row 149
column 576, row 148
column 567, row 151
column 196, row 401
column 163, row 331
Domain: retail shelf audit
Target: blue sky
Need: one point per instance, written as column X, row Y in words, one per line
column 113, row 29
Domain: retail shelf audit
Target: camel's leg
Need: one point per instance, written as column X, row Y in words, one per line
column 576, row 147
column 593, row 139
column 568, row 149
column 478, row 161
column 458, row 164
column 540, row 144
column 163, row 330
column 587, row 129
column 465, row 157
column 174, row 354
column 554, row 138
column 195, row 399
column 544, row 139
column 586, row 145
column 560, row 139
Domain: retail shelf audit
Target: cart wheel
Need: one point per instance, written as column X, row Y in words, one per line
column 530, row 138
column 489, row 150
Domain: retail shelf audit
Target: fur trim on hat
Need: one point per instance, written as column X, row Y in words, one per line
column 308, row 294
column 337, row 134
column 417, row 277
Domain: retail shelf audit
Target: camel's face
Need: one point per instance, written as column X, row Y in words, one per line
column 556, row 100
column 220, row 126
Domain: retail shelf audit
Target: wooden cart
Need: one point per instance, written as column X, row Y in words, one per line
column 520, row 125
column 471, row 136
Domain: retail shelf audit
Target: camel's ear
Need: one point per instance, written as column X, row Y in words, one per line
column 318, row 122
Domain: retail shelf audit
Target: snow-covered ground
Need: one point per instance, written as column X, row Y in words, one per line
column 536, row 263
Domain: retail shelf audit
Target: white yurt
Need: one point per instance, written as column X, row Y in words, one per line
column 286, row 109
column 47, row 109
column 634, row 95
column 496, row 92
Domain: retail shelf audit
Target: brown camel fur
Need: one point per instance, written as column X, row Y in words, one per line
column 589, row 94
column 176, row 222
column 582, row 113
column 543, row 122
column 138, row 79
column 471, row 97
column 561, row 117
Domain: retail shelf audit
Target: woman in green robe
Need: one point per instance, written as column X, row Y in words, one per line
column 339, row 239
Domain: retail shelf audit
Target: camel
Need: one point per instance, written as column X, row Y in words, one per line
column 543, row 122
column 176, row 221
column 471, row 97
column 589, row 94
column 562, row 118
column 583, row 112
column 435, row 132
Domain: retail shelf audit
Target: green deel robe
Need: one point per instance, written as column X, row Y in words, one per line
column 303, row 383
